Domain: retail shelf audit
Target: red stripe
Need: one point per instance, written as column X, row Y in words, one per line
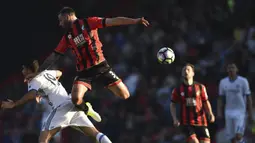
column 84, row 83
column 191, row 137
column 204, row 139
column 114, row 83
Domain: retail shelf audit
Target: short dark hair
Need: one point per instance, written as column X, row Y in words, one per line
column 32, row 65
column 67, row 10
column 191, row 65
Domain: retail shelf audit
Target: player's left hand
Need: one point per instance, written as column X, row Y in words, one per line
column 143, row 21
column 212, row 118
column 8, row 104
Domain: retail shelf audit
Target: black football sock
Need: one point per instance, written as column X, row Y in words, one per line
column 82, row 107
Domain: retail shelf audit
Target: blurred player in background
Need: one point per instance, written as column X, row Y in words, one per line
column 82, row 38
column 236, row 92
column 63, row 113
column 194, row 106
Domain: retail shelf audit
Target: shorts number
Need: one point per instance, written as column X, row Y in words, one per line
column 114, row 75
column 207, row 132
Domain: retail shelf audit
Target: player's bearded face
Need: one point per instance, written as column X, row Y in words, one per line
column 187, row 72
column 64, row 21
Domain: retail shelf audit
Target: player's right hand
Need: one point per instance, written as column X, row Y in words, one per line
column 8, row 104
column 143, row 21
column 176, row 123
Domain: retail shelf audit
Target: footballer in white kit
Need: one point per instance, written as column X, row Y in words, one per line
column 236, row 92
column 63, row 113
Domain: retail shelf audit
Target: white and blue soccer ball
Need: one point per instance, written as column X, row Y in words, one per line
column 166, row 55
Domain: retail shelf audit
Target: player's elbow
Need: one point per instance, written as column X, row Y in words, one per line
column 58, row 74
column 76, row 100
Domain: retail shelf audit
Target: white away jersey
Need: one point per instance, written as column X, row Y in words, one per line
column 236, row 92
column 47, row 85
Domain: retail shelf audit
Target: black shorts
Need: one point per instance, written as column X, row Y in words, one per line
column 200, row 132
column 101, row 73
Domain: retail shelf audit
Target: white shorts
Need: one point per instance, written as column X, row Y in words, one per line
column 235, row 124
column 64, row 116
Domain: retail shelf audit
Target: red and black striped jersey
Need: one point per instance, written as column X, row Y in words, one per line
column 191, row 98
column 83, row 39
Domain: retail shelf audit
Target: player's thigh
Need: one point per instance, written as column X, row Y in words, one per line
column 203, row 134
column 111, row 81
column 89, row 131
column 46, row 135
column 190, row 134
column 59, row 117
column 79, row 119
column 229, row 127
column 80, row 86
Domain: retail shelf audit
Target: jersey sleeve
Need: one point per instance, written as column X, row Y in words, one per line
column 174, row 97
column 246, row 89
column 34, row 85
column 96, row 22
column 221, row 89
column 62, row 46
column 204, row 94
column 52, row 72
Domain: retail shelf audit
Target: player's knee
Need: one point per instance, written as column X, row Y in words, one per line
column 76, row 100
column 192, row 139
column 239, row 137
column 125, row 95
column 43, row 139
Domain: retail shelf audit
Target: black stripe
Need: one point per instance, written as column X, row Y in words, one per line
column 94, row 46
column 103, row 22
column 177, row 90
column 77, row 63
column 85, row 45
column 188, row 109
column 202, row 111
column 194, row 107
column 49, row 119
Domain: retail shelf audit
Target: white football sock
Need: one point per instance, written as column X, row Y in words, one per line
column 101, row 138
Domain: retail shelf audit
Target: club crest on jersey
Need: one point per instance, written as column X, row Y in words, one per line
column 237, row 86
column 69, row 36
column 182, row 93
column 79, row 40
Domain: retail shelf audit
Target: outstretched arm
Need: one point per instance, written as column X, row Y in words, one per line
column 125, row 21
column 31, row 95
column 98, row 22
column 49, row 61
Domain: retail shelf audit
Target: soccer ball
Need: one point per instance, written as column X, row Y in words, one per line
column 165, row 55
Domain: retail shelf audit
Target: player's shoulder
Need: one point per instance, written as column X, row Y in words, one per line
column 242, row 78
column 224, row 80
column 199, row 84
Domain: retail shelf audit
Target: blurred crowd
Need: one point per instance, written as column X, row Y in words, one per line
column 207, row 35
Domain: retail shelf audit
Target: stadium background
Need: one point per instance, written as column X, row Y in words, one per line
column 207, row 33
